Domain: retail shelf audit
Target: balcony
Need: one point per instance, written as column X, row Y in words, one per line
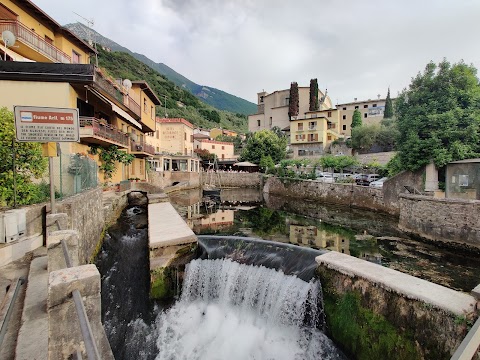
column 312, row 127
column 141, row 148
column 95, row 131
column 34, row 41
column 132, row 104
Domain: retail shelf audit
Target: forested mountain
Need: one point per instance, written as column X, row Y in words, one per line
column 215, row 97
column 179, row 102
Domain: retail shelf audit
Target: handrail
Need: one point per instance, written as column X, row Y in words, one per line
column 3, row 330
column 90, row 345
column 469, row 345
column 106, row 131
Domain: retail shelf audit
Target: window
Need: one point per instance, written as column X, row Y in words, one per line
column 185, row 136
column 198, row 147
column 344, row 108
column 287, row 101
column 141, row 167
column 312, row 137
column 261, row 99
column 312, row 125
column 48, row 40
column 344, row 127
column 223, row 147
column 271, row 121
column 329, row 114
column 158, row 149
column 258, row 122
column 329, row 137
column 223, row 156
column 158, row 134
column 365, row 106
column 75, row 57
column 152, row 112
column 365, row 115
column 300, row 126
column 344, row 117
column 356, row 107
column 213, row 146
column 145, row 104
column 374, row 105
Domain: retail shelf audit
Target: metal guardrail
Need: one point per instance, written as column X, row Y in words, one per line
column 90, row 346
column 469, row 345
column 8, row 315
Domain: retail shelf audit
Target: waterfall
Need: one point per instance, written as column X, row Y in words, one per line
column 229, row 310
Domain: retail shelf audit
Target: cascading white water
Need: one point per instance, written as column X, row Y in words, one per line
column 233, row 311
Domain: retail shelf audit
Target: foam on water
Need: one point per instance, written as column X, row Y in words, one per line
column 233, row 311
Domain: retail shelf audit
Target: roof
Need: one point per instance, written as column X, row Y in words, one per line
column 56, row 26
column 362, row 101
column 148, row 90
column 173, row 121
column 216, row 142
column 200, row 136
column 466, row 161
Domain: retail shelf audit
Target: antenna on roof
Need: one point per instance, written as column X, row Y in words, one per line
column 90, row 33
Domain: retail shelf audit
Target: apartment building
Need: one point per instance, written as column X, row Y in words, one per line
column 50, row 67
column 371, row 110
column 223, row 150
column 216, row 132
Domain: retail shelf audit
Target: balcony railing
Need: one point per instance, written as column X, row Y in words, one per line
column 105, row 131
column 139, row 146
column 132, row 104
column 35, row 41
column 107, row 86
column 312, row 127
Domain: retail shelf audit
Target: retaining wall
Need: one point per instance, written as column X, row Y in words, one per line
column 234, row 179
column 340, row 194
column 165, row 179
column 451, row 221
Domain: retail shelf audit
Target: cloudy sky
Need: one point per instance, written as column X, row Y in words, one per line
column 354, row 48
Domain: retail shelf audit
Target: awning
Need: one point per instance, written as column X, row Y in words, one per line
column 117, row 110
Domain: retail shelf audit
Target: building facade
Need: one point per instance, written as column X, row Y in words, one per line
column 51, row 68
column 371, row 110
column 223, row 150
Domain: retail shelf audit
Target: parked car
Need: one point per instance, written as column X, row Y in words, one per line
column 325, row 178
column 366, row 179
column 378, row 183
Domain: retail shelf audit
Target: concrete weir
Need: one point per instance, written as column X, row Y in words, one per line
column 172, row 244
column 428, row 319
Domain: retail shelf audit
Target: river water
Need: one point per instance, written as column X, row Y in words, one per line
column 364, row 234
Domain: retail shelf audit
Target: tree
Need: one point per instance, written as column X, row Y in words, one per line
column 264, row 143
column 293, row 107
column 266, row 163
column 439, row 116
column 278, row 131
column 204, row 154
column 313, row 95
column 388, row 113
column 356, row 119
column 29, row 164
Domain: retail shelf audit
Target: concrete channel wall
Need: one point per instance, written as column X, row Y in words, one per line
column 340, row 194
column 446, row 220
column 375, row 312
column 234, row 179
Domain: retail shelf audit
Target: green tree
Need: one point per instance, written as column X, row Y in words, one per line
column 293, row 106
column 278, row 131
column 363, row 137
column 264, row 143
column 388, row 113
column 29, row 164
column 313, row 95
column 356, row 119
column 266, row 163
column 439, row 116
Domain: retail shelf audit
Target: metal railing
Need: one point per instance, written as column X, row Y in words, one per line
column 106, row 131
column 3, row 330
column 108, row 87
column 132, row 104
column 35, row 41
column 141, row 146
column 470, row 344
column 90, row 345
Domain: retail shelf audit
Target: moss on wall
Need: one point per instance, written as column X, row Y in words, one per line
column 162, row 287
column 363, row 334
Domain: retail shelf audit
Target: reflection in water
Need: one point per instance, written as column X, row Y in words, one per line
column 363, row 234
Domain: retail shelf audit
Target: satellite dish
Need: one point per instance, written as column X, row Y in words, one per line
column 8, row 38
column 127, row 83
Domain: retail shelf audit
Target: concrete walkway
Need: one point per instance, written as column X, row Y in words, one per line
column 166, row 227
column 409, row 286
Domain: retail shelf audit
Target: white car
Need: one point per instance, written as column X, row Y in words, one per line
column 325, row 178
column 378, row 184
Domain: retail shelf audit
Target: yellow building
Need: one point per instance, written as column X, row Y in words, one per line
column 223, row 150
column 54, row 71
column 216, row 132
column 321, row 239
column 371, row 110
column 173, row 136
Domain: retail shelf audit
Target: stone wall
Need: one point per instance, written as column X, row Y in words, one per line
column 340, row 194
column 393, row 187
column 374, row 312
column 234, row 179
column 451, row 221
column 85, row 214
column 165, row 179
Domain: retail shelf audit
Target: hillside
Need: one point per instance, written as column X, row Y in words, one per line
column 180, row 103
column 215, row 97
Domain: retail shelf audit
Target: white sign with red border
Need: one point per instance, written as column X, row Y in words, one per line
column 46, row 124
